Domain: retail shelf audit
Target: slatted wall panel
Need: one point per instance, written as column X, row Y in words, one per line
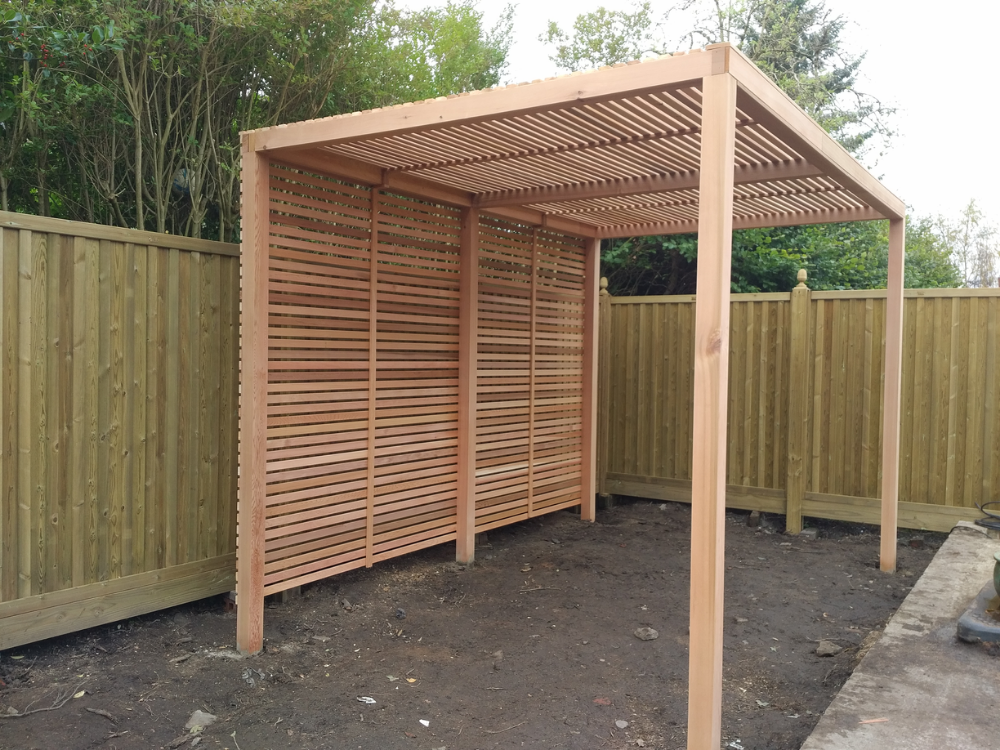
column 557, row 391
column 318, row 378
column 529, row 412
column 416, row 422
column 504, row 380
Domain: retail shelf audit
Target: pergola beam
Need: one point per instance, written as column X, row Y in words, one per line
column 762, row 100
column 575, row 90
column 800, row 218
column 662, row 183
column 363, row 173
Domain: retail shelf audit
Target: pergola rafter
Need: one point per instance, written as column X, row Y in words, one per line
column 434, row 375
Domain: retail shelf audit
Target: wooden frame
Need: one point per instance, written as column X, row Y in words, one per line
column 697, row 141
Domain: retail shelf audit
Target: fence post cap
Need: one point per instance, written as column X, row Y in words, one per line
column 604, row 286
column 802, row 277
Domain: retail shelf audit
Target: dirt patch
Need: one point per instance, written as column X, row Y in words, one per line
column 535, row 647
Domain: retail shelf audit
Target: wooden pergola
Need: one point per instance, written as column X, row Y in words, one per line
column 419, row 299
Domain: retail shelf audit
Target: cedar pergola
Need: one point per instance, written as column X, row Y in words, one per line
column 419, row 294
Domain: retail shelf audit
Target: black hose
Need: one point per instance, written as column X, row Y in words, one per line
column 992, row 520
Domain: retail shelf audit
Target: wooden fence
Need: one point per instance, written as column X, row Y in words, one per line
column 118, row 418
column 805, row 401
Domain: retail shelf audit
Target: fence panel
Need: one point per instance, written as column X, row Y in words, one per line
column 118, row 404
column 951, row 388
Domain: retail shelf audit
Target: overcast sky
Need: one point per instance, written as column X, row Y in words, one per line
column 922, row 58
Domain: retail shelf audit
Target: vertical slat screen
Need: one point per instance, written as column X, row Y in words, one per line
column 557, row 397
column 504, row 408
column 318, row 378
column 416, row 430
column 529, row 415
column 362, row 442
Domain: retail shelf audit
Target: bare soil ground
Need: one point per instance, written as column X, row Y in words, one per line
column 534, row 647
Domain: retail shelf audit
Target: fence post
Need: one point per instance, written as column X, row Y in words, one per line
column 798, row 405
column 603, row 387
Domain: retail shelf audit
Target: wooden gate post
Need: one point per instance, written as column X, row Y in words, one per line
column 603, row 388
column 798, row 405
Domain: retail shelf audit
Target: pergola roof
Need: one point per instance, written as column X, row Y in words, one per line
column 604, row 153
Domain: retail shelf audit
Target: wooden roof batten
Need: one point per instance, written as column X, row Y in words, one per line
column 596, row 154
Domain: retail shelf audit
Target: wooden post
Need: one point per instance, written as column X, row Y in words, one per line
column 588, row 498
column 253, row 402
column 468, row 327
column 891, row 396
column 372, row 378
column 708, row 485
column 603, row 387
column 798, row 405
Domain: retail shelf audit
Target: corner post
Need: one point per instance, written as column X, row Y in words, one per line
column 798, row 406
column 588, row 472
column 711, row 381
column 603, row 387
column 253, row 401
column 468, row 345
column 891, row 394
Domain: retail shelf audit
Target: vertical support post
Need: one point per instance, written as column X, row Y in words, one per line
column 532, row 346
column 372, row 378
column 708, row 486
column 891, row 395
column 798, row 405
column 603, row 387
column 253, row 401
column 588, row 475
column 468, row 366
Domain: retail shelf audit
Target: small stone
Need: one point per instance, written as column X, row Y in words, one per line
column 199, row 719
column 640, row 742
column 917, row 542
column 810, row 534
column 827, row 648
column 753, row 520
column 621, row 723
column 741, row 620
column 400, row 613
column 646, row 634
column 346, row 605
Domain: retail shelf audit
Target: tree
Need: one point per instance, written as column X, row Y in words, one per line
column 975, row 244
column 604, row 37
column 139, row 124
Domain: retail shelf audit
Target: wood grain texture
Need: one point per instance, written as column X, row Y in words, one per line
column 891, row 399
column 84, row 413
column 710, row 413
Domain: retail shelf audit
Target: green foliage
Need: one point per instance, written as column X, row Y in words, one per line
column 837, row 256
column 410, row 56
column 129, row 111
column 604, row 37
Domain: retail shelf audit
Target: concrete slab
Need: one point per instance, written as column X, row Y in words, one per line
column 934, row 690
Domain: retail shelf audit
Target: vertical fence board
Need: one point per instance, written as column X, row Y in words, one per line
column 949, row 454
column 90, row 325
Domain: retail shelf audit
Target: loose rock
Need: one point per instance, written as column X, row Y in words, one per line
column 753, row 520
column 828, row 648
column 646, row 634
column 621, row 723
column 199, row 719
column 400, row 614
